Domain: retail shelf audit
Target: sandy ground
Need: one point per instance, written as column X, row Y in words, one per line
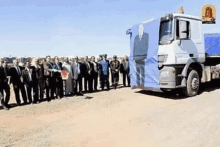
column 116, row 118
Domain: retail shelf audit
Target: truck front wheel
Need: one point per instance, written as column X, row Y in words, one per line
column 192, row 85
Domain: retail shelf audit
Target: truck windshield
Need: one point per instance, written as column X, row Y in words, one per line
column 165, row 34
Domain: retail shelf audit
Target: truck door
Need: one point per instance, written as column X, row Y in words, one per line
column 187, row 46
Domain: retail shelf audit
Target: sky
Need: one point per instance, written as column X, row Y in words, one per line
column 82, row 27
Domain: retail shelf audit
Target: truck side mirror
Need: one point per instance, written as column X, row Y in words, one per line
column 128, row 32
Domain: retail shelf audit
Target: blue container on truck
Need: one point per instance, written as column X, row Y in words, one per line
column 212, row 44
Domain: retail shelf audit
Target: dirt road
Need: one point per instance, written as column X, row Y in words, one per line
column 116, row 118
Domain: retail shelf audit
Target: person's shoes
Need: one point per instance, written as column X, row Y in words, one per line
column 5, row 108
column 19, row 104
column 7, row 105
column 80, row 93
column 2, row 101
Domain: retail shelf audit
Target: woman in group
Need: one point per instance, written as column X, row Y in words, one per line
column 68, row 84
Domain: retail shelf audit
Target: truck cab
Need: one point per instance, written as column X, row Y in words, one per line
column 181, row 43
column 178, row 42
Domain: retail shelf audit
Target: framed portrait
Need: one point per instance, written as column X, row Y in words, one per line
column 208, row 14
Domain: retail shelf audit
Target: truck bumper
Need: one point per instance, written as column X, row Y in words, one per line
column 168, row 78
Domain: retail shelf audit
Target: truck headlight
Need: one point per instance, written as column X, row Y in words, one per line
column 165, row 74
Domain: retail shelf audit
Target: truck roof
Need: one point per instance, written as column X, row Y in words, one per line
column 174, row 15
column 186, row 15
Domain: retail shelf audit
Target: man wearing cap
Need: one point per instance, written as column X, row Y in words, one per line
column 115, row 67
column 104, row 70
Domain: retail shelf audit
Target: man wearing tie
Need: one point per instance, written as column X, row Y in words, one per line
column 39, row 79
column 17, row 81
column 99, row 68
column 29, row 79
column 125, row 71
column 94, row 73
column 4, row 84
column 49, row 78
column 77, row 77
column 58, row 79
column 87, row 81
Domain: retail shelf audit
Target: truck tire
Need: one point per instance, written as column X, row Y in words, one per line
column 192, row 85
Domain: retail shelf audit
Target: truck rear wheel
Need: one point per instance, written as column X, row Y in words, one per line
column 192, row 85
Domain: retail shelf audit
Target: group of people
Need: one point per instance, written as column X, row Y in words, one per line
column 41, row 77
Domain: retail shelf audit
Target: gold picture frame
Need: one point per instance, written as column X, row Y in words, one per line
column 208, row 14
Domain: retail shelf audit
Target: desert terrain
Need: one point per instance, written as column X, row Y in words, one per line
column 123, row 117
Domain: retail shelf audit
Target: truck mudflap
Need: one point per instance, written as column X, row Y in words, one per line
column 143, row 61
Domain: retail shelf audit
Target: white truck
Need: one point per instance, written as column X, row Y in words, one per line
column 172, row 52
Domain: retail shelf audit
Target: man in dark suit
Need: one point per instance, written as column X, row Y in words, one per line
column 49, row 78
column 125, row 71
column 94, row 73
column 77, row 76
column 85, row 69
column 4, row 84
column 100, row 80
column 58, row 79
column 39, row 82
column 29, row 77
column 57, row 58
column 17, row 81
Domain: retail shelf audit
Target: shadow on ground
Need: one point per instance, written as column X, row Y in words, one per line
column 88, row 97
column 178, row 95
